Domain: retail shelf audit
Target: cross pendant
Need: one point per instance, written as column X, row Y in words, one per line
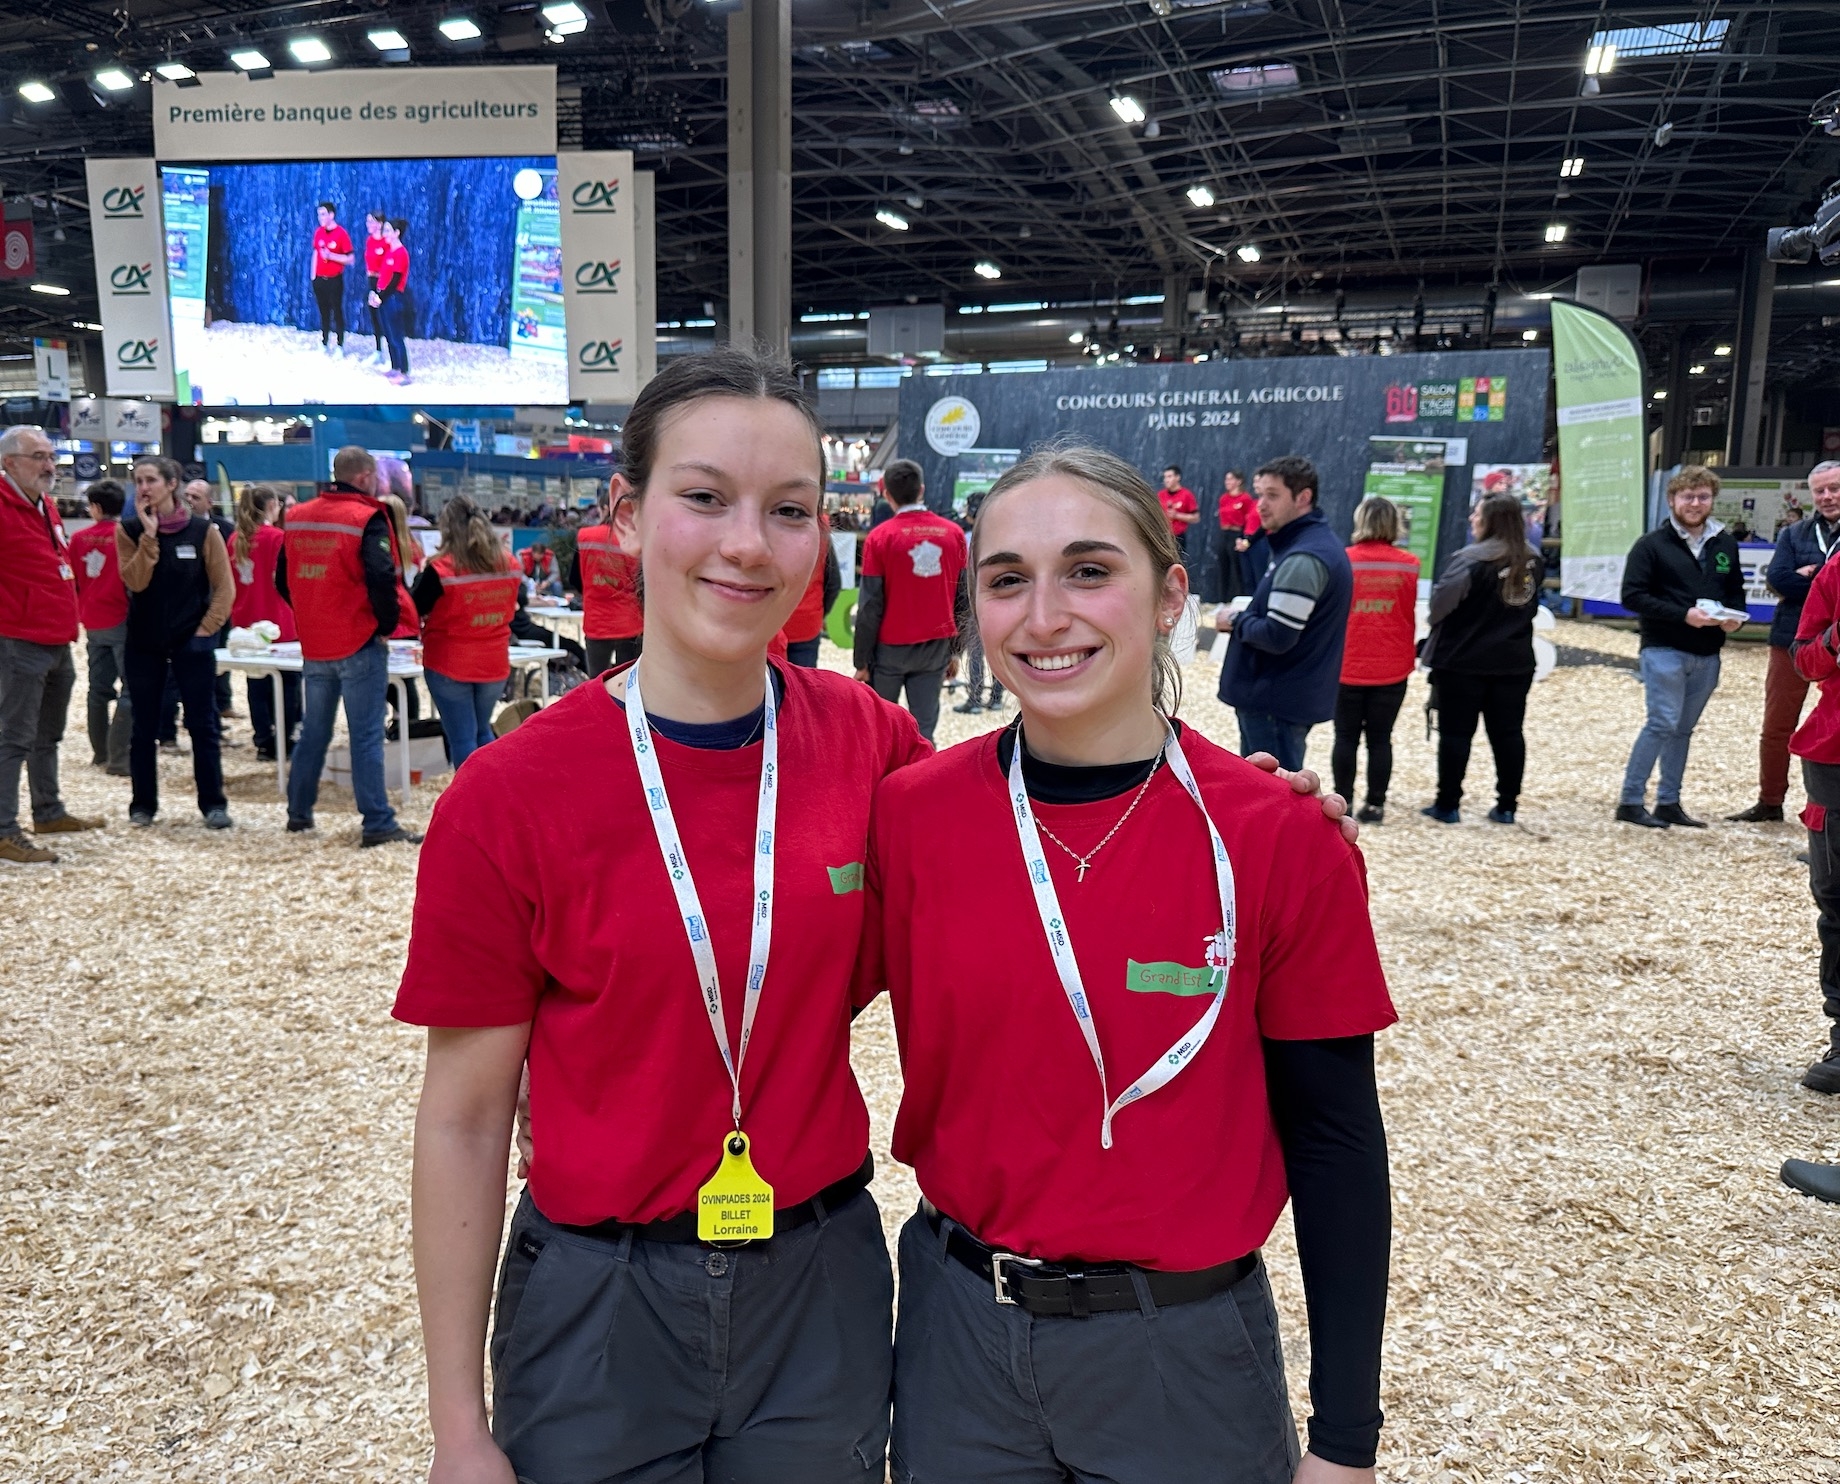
column 1082, row 875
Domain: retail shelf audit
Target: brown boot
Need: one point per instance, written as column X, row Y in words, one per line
column 22, row 852
column 67, row 824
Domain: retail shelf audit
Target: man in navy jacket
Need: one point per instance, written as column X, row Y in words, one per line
column 1801, row 551
column 1284, row 662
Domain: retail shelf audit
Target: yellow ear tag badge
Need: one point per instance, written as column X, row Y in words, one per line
column 736, row 1205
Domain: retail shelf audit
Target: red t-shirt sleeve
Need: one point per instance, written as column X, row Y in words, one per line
column 1320, row 975
column 470, row 956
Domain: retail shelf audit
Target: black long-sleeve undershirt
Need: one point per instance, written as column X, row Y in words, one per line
column 1326, row 1107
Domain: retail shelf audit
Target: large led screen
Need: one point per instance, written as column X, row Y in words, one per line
column 363, row 281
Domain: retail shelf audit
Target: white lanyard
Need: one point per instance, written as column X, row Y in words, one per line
column 1827, row 547
column 1054, row 926
column 689, row 905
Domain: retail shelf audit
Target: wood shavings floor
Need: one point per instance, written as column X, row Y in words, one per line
column 206, row 1116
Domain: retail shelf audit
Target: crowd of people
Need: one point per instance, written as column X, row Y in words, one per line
column 695, row 1280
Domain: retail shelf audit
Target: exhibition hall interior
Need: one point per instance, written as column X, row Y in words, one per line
column 509, row 512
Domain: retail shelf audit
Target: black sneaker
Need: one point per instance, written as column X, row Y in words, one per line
column 395, row 836
column 1637, row 814
column 1674, row 814
column 1499, row 815
column 218, row 819
column 1758, row 814
column 265, row 754
column 970, row 708
column 299, row 826
column 1371, row 813
column 1824, row 1075
column 140, row 818
column 1442, row 816
column 1820, row 1181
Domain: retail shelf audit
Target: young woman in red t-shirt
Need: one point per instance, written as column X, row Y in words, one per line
column 1081, row 1293
column 704, row 863
column 255, row 551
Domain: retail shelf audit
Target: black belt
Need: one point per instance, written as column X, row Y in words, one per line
column 1046, row 1289
column 682, row 1227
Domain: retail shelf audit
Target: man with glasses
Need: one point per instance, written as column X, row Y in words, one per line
column 1683, row 582
column 38, row 624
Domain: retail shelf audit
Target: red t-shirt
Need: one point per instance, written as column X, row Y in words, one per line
column 1001, row 1108
column 919, row 556
column 1239, row 513
column 375, row 251
column 566, row 917
column 393, row 271
column 1381, row 647
column 329, row 240
column 102, row 600
column 253, row 572
column 1180, row 499
column 1818, row 738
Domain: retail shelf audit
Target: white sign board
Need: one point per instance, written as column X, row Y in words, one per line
column 86, row 420
column 130, row 249
column 359, row 114
column 596, row 194
column 952, row 425
column 131, row 422
column 51, row 359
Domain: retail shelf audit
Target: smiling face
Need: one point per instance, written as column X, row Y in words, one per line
column 1069, row 604
column 1692, row 506
column 1825, row 490
column 154, row 494
column 726, row 531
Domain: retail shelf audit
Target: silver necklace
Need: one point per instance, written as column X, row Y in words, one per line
column 1085, row 861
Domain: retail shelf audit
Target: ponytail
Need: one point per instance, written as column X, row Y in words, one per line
column 467, row 536
column 252, row 506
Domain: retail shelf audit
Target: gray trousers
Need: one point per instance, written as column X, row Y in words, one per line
column 630, row 1362
column 108, row 669
column 920, row 670
column 35, row 685
column 989, row 1394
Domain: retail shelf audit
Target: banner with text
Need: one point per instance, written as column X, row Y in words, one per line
column 411, row 113
column 599, row 279
column 130, row 249
column 1410, row 473
column 1597, row 375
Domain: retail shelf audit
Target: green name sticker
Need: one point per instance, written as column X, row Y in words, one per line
column 1167, row 978
column 846, row 878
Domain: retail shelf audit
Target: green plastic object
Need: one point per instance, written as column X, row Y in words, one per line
column 840, row 622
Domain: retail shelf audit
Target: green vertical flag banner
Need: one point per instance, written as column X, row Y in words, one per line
column 1597, row 370
column 1410, row 473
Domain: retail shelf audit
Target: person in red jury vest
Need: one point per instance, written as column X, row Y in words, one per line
column 102, row 604
column 467, row 596
column 913, row 593
column 612, row 620
column 338, row 571
column 1379, row 654
column 255, row 552
column 38, row 622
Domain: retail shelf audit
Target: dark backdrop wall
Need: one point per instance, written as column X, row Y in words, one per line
column 1222, row 415
column 462, row 217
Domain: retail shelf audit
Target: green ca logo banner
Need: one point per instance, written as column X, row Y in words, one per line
column 599, row 356
column 595, row 197
column 136, row 355
column 123, row 201
column 598, row 278
column 130, row 278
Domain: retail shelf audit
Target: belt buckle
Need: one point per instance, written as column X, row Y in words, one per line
column 997, row 1260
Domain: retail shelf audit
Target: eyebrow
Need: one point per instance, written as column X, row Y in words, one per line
column 802, row 482
column 1071, row 549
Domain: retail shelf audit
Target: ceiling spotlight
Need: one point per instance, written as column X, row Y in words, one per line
column 114, row 80
column 1201, row 195
column 84, row 324
column 56, row 290
column 566, row 18
column 309, row 51
column 36, row 92
column 1078, row 337
column 249, row 60
column 1556, row 232
column 388, row 40
column 984, row 268
column 892, row 219
column 1721, row 350
column 1660, row 394
column 1530, row 334
column 919, row 201
column 458, row 28
column 1571, row 168
column 1128, row 108
column 1600, row 60
column 1663, row 133
column 1691, row 370
column 1249, row 252
column 175, row 71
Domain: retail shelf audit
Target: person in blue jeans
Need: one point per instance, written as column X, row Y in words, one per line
column 1672, row 576
column 1282, row 671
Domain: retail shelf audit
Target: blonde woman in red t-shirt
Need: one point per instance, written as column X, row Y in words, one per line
column 1081, row 1291
column 1378, row 654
